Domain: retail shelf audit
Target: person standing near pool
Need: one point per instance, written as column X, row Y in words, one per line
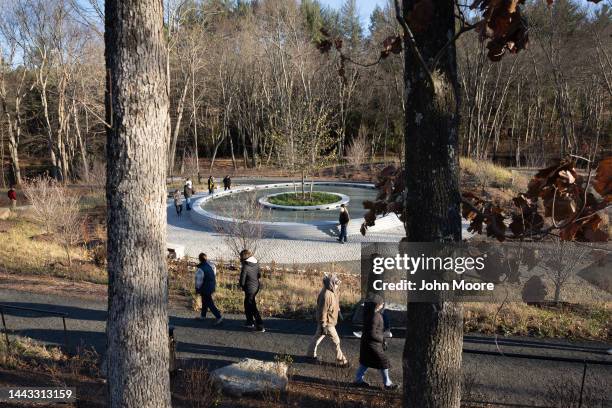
column 250, row 276
column 227, row 182
column 344, row 220
column 211, row 185
column 178, row 202
column 188, row 192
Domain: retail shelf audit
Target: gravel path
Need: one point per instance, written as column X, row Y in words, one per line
column 497, row 378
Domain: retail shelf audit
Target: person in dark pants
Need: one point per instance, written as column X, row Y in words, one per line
column 250, row 283
column 211, row 185
column 188, row 192
column 344, row 221
column 227, row 183
column 205, row 285
column 178, row 202
column 373, row 345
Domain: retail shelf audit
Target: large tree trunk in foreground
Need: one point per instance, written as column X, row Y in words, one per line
column 434, row 339
column 136, row 108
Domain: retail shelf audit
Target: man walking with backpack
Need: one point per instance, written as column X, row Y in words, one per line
column 205, row 286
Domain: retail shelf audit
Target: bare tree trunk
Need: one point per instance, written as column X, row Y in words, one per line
column 77, row 128
column 194, row 113
column 231, row 141
column 136, row 108
column 434, row 337
column 177, row 127
column 2, row 176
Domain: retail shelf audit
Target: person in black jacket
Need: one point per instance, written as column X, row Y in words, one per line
column 227, row 182
column 205, row 285
column 249, row 282
column 343, row 221
column 188, row 192
column 373, row 346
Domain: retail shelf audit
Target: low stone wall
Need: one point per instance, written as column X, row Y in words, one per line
column 343, row 199
column 315, row 230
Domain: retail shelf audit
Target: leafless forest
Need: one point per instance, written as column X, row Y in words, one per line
column 248, row 82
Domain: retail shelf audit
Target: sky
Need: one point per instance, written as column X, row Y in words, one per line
column 365, row 8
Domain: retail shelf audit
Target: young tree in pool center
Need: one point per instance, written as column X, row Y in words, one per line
column 136, row 114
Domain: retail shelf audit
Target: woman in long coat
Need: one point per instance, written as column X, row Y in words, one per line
column 372, row 349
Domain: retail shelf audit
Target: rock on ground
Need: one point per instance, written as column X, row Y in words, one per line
column 251, row 376
column 4, row 213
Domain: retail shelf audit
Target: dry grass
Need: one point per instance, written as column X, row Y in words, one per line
column 286, row 293
column 486, row 175
column 26, row 250
column 590, row 322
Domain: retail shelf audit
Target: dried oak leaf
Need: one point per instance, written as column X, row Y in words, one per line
column 495, row 223
column 391, row 44
column 602, row 183
column 324, row 46
column 542, row 182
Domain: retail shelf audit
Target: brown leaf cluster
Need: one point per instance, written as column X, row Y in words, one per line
column 390, row 185
column 557, row 200
column 503, row 25
column 391, row 44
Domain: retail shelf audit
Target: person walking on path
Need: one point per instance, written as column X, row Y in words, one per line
column 188, row 192
column 12, row 196
column 211, row 185
column 178, row 202
column 250, row 276
column 373, row 344
column 328, row 309
column 205, row 286
column 344, row 221
column 227, row 183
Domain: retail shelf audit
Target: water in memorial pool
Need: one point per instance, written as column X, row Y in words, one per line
column 227, row 205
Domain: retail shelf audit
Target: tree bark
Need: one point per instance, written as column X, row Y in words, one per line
column 434, row 337
column 136, row 109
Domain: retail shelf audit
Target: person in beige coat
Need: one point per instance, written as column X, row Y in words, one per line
column 328, row 309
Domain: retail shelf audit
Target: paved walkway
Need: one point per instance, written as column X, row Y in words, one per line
column 496, row 378
column 196, row 239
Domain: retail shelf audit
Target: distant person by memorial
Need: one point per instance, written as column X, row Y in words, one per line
column 227, row 183
column 343, row 220
column 188, row 192
column 178, row 202
column 211, row 185
column 328, row 310
column 12, row 196
column 250, row 276
column 205, row 286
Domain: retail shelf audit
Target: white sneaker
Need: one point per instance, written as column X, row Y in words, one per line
column 219, row 321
